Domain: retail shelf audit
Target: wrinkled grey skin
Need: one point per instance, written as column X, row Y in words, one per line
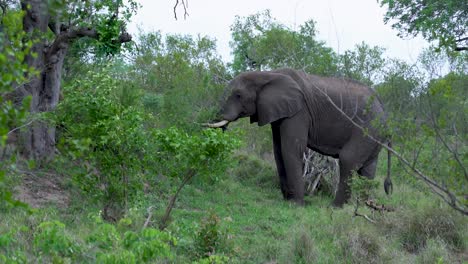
column 298, row 107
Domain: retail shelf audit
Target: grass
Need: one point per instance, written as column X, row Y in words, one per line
column 253, row 224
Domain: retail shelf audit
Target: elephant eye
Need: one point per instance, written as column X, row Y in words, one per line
column 238, row 96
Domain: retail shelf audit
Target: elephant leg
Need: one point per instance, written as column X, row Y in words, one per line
column 279, row 160
column 343, row 192
column 369, row 169
column 293, row 134
column 352, row 158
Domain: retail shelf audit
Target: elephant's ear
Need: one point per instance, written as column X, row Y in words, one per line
column 280, row 97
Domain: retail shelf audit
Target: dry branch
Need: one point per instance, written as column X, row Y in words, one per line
column 365, row 217
column 381, row 208
column 185, row 6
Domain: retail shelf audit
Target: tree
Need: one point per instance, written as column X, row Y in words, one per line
column 364, row 63
column 182, row 77
column 53, row 26
column 261, row 43
column 400, row 84
column 445, row 21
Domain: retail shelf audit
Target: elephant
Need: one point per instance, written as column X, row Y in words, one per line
column 337, row 117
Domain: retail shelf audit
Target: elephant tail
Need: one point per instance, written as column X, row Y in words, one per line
column 388, row 186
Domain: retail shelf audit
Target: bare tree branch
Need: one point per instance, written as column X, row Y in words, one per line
column 184, row 4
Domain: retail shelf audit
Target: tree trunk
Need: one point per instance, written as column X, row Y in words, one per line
column 38, row 140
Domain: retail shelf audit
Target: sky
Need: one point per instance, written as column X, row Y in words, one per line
column 341, row 23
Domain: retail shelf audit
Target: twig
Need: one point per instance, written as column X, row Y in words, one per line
column 16, row 128
column 365, row 217
column 184, row 4
column 148, row 219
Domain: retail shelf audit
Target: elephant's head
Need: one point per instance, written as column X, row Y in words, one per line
column 263, row 96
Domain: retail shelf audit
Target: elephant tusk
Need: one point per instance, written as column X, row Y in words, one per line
column 217, row 125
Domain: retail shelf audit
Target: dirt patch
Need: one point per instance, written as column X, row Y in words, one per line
column 42, row 189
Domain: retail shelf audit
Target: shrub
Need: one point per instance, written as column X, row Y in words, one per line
column 149, row 244
column 106, row 131
column 144, row 246
column 105, row 236
column 50, row 238
column 14, row 68
column 210, row 238
column 431, row 223
column 207, row 152
column 10, row 247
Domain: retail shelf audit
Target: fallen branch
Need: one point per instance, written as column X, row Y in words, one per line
column 381, row 208
column 365, row 217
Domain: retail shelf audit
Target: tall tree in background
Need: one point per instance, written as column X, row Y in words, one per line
column 53, row 26
column 445, row 21
column 261, row 43
column 364, row 63
column 182, row 77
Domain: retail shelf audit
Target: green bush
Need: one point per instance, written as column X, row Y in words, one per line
column 14, row 51
column 207, row 153
column 106, row 133
column 210, row 238
column 105, row 236
column 10, row 247
column 51, row 239
column 149, row 244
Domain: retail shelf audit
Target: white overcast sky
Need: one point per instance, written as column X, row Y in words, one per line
column 341, row 23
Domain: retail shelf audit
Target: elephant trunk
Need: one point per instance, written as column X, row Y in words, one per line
column 217, row 124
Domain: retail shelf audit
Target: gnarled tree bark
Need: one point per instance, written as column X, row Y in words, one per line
column 38, row 140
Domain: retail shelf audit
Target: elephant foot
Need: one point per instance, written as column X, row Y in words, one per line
column 338, row 203
column 296, row 201
column 299, row 202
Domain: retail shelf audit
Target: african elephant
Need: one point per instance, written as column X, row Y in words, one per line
column 336, row 117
